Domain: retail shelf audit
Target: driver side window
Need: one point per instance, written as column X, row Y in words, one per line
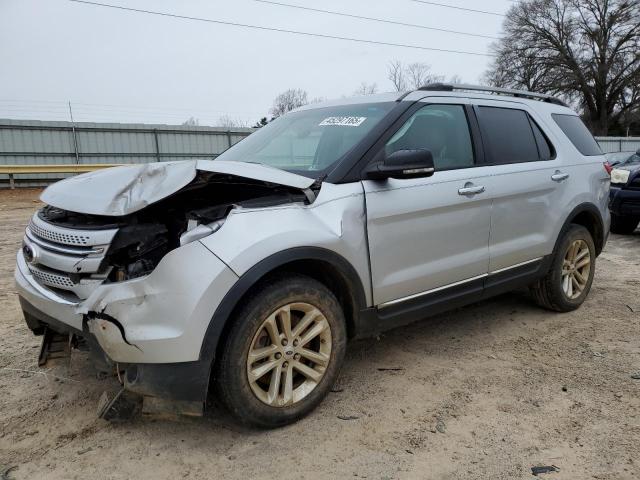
column 441, row 129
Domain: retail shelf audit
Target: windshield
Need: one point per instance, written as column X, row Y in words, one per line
column 309, row 142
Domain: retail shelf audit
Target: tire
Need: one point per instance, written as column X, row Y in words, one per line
column 623, row 225
column 296, row 384
column 550, row 291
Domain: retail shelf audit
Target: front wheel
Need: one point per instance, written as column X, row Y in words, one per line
column 282, row 353
column 567, row 284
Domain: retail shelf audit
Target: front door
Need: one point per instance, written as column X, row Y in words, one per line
column 426, row 234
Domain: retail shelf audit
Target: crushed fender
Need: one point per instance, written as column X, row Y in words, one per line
column 55, row 348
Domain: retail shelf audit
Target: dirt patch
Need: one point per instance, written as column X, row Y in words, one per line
column 487, row 391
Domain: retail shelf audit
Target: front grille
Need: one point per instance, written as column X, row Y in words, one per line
column 59, row 237
column 66, row 258
column 51, row 278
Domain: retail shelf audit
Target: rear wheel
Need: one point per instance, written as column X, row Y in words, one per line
column 623, row 225
column 569, row 279
column 283, row 352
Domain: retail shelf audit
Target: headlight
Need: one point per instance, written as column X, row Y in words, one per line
column 619, row 176
column 200, row 231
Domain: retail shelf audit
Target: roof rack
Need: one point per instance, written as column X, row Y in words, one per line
column 450, row 87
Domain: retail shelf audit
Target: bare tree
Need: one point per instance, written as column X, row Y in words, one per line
column 396, row 75
column 287, row 101
column 419, row 74
column 366, row 89
column 191, row 122
column 587, row 51
column 412, row 76
column 455, row 78
column 229, row 122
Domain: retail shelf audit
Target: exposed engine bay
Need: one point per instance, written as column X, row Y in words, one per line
column 144, row 237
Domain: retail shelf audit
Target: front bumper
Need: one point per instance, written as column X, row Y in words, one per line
column 157, row 319
column 624, row 202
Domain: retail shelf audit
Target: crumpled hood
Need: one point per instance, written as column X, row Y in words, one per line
column 123, row 190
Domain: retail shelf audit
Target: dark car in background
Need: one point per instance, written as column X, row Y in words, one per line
column 624, row 195
column 615, row 158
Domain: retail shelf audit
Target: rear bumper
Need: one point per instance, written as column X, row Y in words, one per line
column 624, row 202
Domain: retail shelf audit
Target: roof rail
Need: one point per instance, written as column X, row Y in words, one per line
column 450, row 87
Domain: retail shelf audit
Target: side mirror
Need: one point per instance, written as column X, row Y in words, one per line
column 403, row 164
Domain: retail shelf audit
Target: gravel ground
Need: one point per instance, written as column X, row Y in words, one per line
column 487, row 391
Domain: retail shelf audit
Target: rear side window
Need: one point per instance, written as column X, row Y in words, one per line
column 545, row 149
column 508, row 135
column 578, row 133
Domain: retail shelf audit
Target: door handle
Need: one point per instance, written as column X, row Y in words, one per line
column 559, row 176
column 470, row 189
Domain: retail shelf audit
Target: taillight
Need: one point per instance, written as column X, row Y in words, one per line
column 608, row 167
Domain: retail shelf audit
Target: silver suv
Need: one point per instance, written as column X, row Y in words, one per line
column 247, row 275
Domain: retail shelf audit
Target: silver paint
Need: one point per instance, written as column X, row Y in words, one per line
column 404, row 238
column 123, row 190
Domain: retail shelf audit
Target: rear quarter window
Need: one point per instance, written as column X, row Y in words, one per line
column 578, row 134
column 545, row 148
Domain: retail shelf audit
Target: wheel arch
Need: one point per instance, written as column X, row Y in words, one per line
column 326, row 266
column 588, row 215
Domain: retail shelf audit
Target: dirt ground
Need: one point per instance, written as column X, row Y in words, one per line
column 487, row 391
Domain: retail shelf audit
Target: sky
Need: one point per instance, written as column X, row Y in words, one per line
column 130, row 67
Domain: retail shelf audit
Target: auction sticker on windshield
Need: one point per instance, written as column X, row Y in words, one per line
column 343, row 121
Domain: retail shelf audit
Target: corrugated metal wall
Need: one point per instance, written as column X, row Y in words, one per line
column 618, row 144
column 30, row 142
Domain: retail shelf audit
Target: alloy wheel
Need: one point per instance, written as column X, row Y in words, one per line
column 289, row 354
column 576, row 267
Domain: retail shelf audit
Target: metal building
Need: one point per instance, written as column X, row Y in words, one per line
column 32, row 142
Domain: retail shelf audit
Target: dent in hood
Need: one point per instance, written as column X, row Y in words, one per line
column 123, row 190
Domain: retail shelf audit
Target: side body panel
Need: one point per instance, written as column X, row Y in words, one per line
column 424, row 235
column 527, row 210
column 335, row 222
column 528, row 207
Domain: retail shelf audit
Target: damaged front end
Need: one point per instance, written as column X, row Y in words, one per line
column 120, row 270
column 106, row 248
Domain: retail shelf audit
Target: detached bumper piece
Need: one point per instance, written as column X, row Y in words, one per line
column 149, row 389
column 123, row 406
column 126, row 405
column 55, row 348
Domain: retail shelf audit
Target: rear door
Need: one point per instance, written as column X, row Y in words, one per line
column 427, row 234
column 528, row 185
